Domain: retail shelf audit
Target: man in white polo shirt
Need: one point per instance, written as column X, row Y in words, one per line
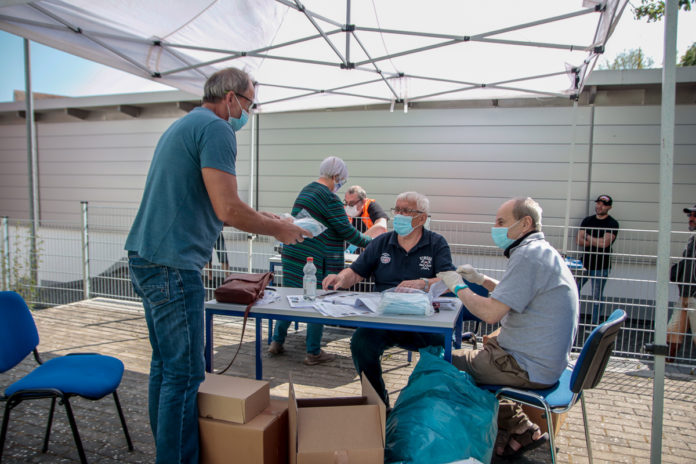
column 536, row 303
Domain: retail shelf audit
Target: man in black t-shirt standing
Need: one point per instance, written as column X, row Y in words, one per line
column 596, row 235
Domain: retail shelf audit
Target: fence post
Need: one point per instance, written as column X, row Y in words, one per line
column 250, row 241
column 5, row 253
column 85, row 251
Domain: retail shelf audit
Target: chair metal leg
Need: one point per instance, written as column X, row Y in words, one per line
column 47, row 435
column 587, row 429
column 5, row 421
column 123, row 421
column 73, row 426
column 549, row 427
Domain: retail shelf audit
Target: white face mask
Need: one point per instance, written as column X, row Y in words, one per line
column 352, row 211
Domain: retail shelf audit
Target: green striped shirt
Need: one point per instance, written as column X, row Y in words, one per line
column 327, row 249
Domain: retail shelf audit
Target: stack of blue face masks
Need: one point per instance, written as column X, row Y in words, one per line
column 413, row 303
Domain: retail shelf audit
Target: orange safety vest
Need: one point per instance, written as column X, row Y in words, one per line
column 363, row 214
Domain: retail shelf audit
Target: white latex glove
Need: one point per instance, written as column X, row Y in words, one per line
column 471, row 274
column 451, row 279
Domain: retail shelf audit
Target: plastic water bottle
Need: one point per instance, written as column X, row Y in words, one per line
column 309, row 280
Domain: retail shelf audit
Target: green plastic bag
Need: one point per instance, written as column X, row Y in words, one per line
column 441, row 416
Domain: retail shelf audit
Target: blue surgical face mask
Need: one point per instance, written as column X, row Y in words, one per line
column 338, row 184
column 500, row 238
column 402, row 224
column 237, row 123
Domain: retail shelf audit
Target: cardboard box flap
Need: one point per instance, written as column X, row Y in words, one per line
column 338, row 430
column 340, row 401
column 234, row 399
column 373, row 398
column 292, row 422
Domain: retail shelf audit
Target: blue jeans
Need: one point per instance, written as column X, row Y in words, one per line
column 314, row 334
column 598, row 279
column 368, row 345
column 173, row 301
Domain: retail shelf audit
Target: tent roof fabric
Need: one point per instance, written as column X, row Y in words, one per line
column 318, row 54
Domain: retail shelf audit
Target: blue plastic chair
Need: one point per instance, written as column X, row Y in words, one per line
column 90, row 376
column 586, row 374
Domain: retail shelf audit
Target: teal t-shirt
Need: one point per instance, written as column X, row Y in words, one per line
column 176, row 225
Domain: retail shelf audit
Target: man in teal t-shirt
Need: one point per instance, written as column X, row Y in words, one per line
column 190, row 192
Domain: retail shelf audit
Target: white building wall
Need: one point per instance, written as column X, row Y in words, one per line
column 466, row 160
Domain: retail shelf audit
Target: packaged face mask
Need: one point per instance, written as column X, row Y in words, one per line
column 307, row 222
column 406, row 301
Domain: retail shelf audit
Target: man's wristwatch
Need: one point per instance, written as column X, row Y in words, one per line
column 459, row 287
column 427, row 284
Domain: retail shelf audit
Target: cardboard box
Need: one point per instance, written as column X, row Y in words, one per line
column 538, row 417
column 346, row 430
column 232, row 399
column 262, row 440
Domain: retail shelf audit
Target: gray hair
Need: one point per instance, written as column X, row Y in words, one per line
column 357, row 190
column 224, row 81
column 526, row 206
column 421, row 201
column 333, row 166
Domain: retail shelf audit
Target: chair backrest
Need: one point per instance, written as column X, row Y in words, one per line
column 18, row 333
column 595, row 354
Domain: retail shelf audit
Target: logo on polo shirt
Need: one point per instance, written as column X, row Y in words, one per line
column 385, row 258
column 426, row 263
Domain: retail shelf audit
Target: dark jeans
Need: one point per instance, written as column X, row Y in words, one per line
column 598, row 279
column 173, row 301
column 368, row 345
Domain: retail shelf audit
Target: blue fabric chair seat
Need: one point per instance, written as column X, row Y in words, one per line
column 67, row 374
column 558, row 396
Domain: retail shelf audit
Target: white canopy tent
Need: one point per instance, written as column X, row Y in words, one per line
column 318, row 54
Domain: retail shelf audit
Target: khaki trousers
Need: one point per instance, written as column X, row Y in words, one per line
column 493, row 365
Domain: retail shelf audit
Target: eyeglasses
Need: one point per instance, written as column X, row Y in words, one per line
column 605, row 203
column 251, row 104
column 691, row 215
column 406, row 211
column 353, row 203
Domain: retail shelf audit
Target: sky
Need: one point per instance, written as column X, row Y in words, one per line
column 56, row 72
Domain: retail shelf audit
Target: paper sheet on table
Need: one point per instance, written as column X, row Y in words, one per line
column 298, row 301
column 369, row 301
column 269, row 296
column 341, row 310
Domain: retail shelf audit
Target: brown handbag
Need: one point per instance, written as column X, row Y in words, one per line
column 242, row 289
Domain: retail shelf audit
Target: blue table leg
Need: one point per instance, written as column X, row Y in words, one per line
column 259, row 361
column 458, row 329
column 448, row 346
column 208, row 352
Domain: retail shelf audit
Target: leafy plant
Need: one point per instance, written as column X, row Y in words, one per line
column 21, row 267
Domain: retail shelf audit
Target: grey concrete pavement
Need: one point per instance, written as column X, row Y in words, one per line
column 619, row 409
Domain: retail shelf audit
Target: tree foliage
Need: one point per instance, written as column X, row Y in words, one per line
column 654, row 10
column 629, row 59
column 689, row 57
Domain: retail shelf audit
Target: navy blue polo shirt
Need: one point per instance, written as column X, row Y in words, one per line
column 390, row 264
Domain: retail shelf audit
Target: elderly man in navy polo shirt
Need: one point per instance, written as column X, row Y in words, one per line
column 409, row 256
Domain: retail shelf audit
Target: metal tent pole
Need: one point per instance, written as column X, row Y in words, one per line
column 32, row 163
column 665, row 222
column 569, row 190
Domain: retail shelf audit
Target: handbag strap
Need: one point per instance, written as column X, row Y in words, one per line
column 267, row 278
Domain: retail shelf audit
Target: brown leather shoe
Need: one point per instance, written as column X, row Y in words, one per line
column 322, row 357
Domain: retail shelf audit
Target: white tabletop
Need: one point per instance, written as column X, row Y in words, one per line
column 281, row 307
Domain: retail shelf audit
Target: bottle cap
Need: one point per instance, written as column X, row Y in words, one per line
column 310, row 259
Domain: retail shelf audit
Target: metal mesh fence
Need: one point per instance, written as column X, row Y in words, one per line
column 62, row 269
